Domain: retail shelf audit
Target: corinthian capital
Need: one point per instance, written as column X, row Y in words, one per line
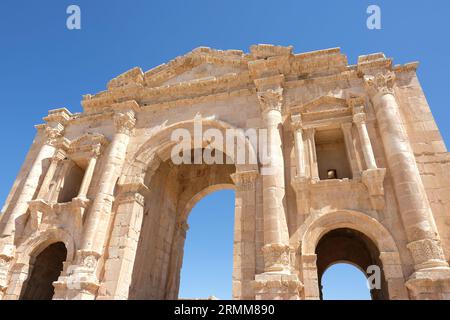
column 53, row 133
column 381, row 83
column 271, row 99
column 125, row 122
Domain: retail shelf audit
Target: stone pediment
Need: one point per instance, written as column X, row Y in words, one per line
column 322, row 108
column 203, row 72
column 324, row 104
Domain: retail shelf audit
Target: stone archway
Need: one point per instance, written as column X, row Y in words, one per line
column 27, row 254
column 45, row 269
column 374, row 242
column 350, row 246
column 154, row 198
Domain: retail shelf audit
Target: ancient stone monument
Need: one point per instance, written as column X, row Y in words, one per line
column 356, row 170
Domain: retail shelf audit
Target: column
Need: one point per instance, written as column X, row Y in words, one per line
column 314, row 168
column 296, row 122
column 359, row 118
column 84, row 275
column 276, row 237
column 350, row 147
column 44, row 190
column 300, row 182
column 31, row 182
column 244, row 251
column 415, row 211
column 15, row 216
column 277, row 281
column 87, row 178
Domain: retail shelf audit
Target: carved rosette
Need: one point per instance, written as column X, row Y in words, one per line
column 276, row 257
column 87, row 261
column 271, row 99
column 90, row 262
column 427, row 253
column 381, row 83
column 125, row 122
column 245, row 181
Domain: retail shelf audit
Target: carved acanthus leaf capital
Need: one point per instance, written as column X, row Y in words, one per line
column 427, row 253
column 271, row 99
column 125, row 122
column 276, row 257
column 53, row 133
column 359, row 118
column 296, row 121
column 381, row 83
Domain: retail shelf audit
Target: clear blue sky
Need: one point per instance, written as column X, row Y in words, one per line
column 46, row 66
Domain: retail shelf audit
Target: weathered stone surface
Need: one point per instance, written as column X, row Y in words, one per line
column 355, row 170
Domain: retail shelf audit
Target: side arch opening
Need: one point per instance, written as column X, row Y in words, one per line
column 352, row 247
column 45, row 268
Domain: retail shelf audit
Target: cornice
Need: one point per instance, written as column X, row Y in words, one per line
column 315, row 68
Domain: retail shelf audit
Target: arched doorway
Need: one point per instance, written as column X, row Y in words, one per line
column 45, row 268
column 208, row 255
column 353, row 247
column 174, row 191
column 344, row 281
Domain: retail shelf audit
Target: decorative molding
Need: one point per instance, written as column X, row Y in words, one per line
column 427, row 253
column 245, row 181
column 53, row 133
column 276, row 257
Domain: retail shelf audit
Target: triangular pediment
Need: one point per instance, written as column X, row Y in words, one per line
column 197, row 65
column 324, row 104
column 88, row 139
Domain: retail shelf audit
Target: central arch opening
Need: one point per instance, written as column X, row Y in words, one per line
column 208, row 256
column 174, row 191
column 350, row 247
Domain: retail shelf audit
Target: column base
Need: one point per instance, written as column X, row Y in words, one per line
column 77, row 286
column 80, row 281
column 270, row 286
column 430, row 284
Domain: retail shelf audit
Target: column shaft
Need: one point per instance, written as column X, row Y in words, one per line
column 28, row 190
column 98, row 217
column 366, row 145
column 87, row 178
column 310, row 133
column 414, row 207
column 300, row 153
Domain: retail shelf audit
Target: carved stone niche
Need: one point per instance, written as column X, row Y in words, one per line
column 373, row 180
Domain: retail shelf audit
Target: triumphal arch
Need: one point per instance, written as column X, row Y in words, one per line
column 353, row 169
